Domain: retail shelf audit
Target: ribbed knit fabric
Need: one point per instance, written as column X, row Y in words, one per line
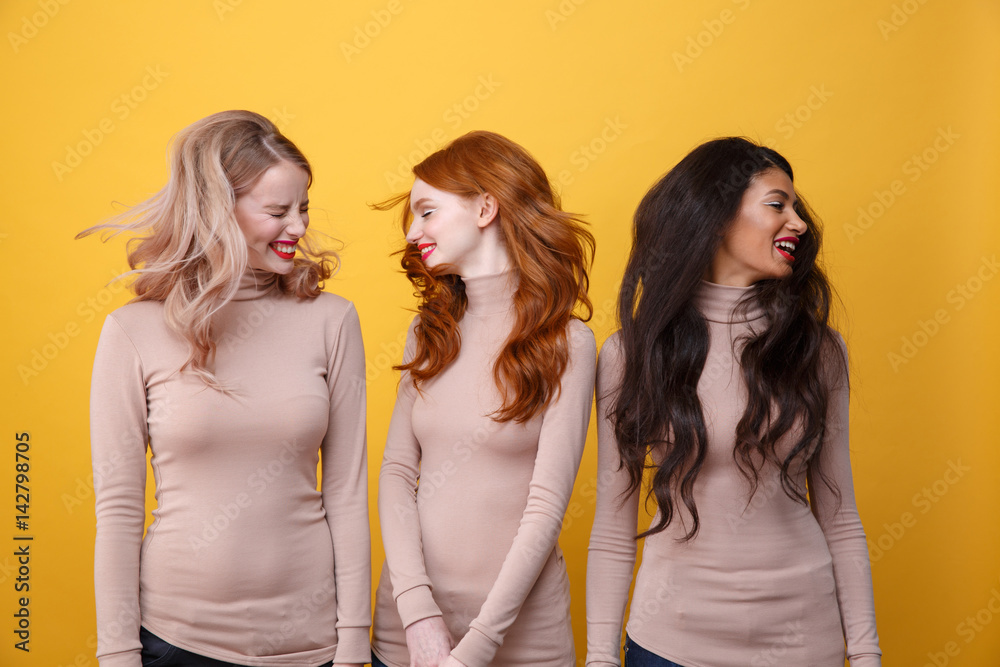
column 765, row 581
column 245, row 561
column 476, row 540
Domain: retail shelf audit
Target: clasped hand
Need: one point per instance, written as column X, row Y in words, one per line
column 430, row 644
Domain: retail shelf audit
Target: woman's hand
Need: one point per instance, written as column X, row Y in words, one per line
column 429, row 643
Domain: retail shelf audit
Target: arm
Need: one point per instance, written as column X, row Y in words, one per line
column 397, row 507
column 611, row 556
column 842, row 528
column 345, row 491
column 560, row 447
column 118, row 447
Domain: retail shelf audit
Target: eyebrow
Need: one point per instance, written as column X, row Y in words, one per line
column 283, row 206
column 781, row 193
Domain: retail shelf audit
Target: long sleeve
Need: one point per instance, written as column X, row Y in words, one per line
column 841, row 525
column 612, row 551
column 560, row 448
column 345, row 491
column 397, row 506
column 118, row 447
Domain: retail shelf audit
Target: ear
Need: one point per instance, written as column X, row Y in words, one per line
column 487, row 209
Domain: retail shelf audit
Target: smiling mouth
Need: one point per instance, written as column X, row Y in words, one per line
column 786, row 247
column 283, row 250
column 426, row 249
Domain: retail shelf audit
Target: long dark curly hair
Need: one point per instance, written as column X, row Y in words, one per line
column 678, row 228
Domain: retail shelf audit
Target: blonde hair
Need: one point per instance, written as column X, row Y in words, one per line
column 192, row 253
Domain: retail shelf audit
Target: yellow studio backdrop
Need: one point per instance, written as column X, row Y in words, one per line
column 887, row 110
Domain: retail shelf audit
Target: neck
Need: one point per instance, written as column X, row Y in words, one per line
column 254, row 284
column 489, row 258
column 489, row 294
column 726, row 303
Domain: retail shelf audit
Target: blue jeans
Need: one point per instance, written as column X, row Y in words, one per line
column 376, row 662
column 637, row 656
column 158, row 653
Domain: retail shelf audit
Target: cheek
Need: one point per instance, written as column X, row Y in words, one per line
column 260, row 231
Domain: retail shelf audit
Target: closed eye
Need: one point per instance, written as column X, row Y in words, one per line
column 426, row 213
column 776, row 205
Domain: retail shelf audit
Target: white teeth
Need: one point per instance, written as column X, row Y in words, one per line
column 284, row 248
column 787, row 246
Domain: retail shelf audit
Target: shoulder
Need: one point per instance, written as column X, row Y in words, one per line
column 332, row 310
column 610, row 366
column 327, row 302
column 581, row 338
column 834, row 358
column 612, row 355
column 138, row 313
column 139, row 319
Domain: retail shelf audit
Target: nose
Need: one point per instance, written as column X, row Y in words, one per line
column 797, row 224
column 415, row 231
column 297, row 224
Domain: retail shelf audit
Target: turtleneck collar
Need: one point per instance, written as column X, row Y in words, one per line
column 488, row 295
column 717, row 303
column 255, row 284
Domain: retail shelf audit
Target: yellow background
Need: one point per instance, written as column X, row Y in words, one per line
column 607, row 96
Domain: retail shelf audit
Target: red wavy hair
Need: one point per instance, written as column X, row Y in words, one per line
column 550, row 253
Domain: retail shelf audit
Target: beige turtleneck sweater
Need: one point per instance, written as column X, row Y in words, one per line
column 475, row 541
column 767, row 580
column 245, row 561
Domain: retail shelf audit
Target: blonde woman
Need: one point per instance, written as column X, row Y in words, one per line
column 238, row 373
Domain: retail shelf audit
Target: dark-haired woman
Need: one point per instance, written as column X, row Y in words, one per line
column 490, row 419
column 726, row 380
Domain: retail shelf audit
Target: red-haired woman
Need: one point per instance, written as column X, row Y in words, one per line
column 491, row 416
